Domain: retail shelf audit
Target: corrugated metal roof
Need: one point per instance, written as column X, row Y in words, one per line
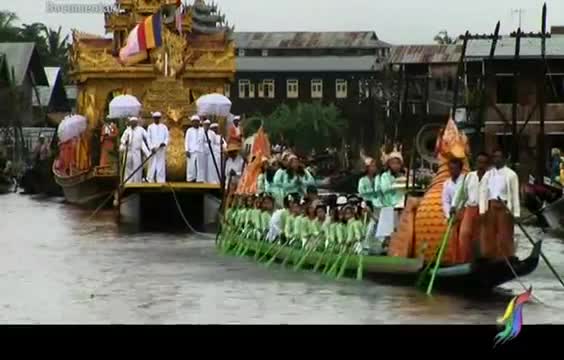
column 425, row 54
column 530, row 47
column 46, row 92
column 307, row 40
column 21, row 57
column 307, row 64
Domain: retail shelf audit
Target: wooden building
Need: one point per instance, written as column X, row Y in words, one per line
column 425, row 77
column 290, row 67
column 24, row 64
column 503, row 89
column 53, row 104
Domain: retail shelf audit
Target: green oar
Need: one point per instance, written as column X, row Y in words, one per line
column 321, row 257
column 441, row 252
column 360, row 268
column 265, row 255
column 343, row 267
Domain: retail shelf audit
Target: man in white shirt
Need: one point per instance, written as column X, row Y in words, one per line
column 158, row 141
column 233, row 166
column 216, row 144
column 451, row 189
column 470, row 229
column 194, row 147
column 499, row 203
column 134, row 144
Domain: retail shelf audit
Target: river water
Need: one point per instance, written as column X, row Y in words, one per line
column 57, row 266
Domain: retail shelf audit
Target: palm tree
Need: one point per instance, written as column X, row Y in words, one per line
column 442, row 38
column 8, row 30
column 57, row 46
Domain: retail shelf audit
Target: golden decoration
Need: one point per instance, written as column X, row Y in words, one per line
column 175, row 155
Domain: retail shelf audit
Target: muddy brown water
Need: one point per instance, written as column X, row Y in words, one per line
column 57, row 267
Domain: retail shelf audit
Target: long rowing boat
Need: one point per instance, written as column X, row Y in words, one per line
column 479, row 276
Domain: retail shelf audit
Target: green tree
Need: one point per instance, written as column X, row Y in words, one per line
column 305, row 126
column 35, row 33
column 8, row 29
column 57, row 46
column 442, row 38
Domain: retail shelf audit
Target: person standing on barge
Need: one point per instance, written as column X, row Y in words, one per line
column 158, row 141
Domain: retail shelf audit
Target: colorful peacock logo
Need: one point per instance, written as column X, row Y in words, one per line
column 513, row 318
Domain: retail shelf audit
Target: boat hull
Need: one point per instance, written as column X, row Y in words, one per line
column 481, row 276
column 87, row 189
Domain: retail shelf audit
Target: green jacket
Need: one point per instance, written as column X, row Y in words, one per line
column 367, row 190
column 384, row 187
column 355, row 231
column 283, row 185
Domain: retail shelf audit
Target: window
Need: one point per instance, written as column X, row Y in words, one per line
column 292, row 91
column 241, row 52
column 268, row 89
column 246, row 89
column 264, row 52
column 341, row 88
column 316, row 89
column 227, row 90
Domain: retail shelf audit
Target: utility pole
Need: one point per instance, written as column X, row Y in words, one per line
column 520, row 12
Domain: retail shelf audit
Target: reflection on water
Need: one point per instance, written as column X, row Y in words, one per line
column 58, row 267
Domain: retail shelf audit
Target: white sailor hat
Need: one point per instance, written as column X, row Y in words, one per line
column 214, row 125
column 207, row 121
column 195, row 118
column 133, row 118
column 156, row 114
column 342, row 200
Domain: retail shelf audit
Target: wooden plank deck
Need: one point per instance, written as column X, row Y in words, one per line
column 166, row 187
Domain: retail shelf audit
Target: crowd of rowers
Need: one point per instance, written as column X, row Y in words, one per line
column 287, row 207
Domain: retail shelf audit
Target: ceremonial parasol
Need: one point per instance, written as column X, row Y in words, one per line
column 124, row 106
column 71, row 127
column 214, row 105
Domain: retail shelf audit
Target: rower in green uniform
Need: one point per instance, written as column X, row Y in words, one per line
column 266, row 215
column 292, row 223
column 366, row 185
column 293, row 179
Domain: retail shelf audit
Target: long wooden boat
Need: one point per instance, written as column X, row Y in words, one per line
column 480, row 276
column 87, row 188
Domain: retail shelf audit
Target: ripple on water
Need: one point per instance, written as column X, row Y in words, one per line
column 57, row 267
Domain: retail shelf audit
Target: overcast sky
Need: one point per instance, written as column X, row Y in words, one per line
column 395, row 21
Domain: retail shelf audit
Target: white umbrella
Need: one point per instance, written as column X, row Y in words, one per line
column 71, row 127
column 124, row 106
column 214, row 104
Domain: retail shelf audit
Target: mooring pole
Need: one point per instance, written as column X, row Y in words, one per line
column 514, row 132
column 459, row 72
column 541, row 99
column 487, row 76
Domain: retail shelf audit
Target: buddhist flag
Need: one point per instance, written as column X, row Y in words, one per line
column 149, row 34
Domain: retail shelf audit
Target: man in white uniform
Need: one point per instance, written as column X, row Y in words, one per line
column 233, row 166
column 194, row 147
column 499, row 204
column 216, row 144
column 134, row 143
column 158, row 141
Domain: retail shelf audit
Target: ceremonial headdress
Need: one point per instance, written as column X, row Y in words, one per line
column 207, row 121
column 394, row 154
column 214, row 125
column 156, row 114
column 195, row 118
column 341, row 200
column 133, row 118
column 236, row 118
